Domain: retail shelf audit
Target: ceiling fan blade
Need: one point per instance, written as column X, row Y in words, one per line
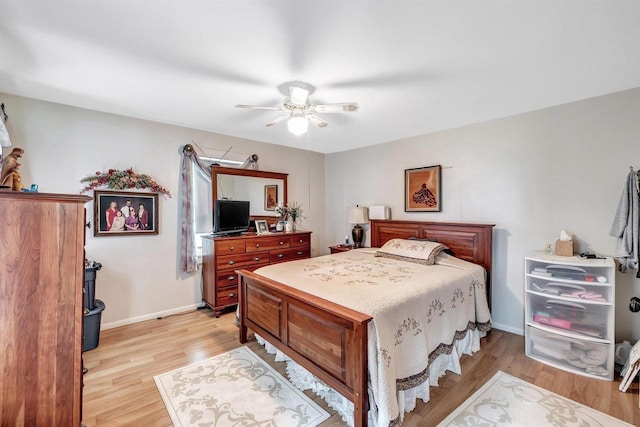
column 337, row 108
column 298, row 95
column 278, row 119
column 317, row 121
column 258, row 107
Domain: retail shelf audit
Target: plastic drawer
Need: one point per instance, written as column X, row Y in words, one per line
column 573, row 317
column 568, row 353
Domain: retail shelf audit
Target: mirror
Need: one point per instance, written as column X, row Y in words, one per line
column 264, row 190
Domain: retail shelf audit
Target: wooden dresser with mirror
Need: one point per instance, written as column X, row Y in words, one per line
column 222, row 256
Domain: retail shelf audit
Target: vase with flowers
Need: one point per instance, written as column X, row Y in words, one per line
column 283, row 214
column 292, row 211
column 295, row 213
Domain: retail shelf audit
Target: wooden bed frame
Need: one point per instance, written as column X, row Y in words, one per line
column 330, row 340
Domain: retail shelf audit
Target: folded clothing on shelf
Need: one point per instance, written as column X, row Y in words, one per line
column 584, row 355
column 567, row 272
column 587, row 325
column 568, row 290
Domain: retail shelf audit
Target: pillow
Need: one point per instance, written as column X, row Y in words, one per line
column 418, row 251
column 446, row 250
column 426, row 239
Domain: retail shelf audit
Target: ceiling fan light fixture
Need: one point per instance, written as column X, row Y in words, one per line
column 349, row 107
column 298, row 96
column 298, row 111
column 298, row 125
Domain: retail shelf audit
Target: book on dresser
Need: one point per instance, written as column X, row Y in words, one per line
column 222, row 256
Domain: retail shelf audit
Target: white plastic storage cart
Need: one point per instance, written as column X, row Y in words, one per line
column 570, row 313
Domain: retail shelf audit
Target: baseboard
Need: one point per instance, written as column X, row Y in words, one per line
column 507, row 328
column 159, row 314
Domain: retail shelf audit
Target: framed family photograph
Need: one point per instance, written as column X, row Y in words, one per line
column 261, row 226
column 423, row 189
column 118, row 213
column 270, row 197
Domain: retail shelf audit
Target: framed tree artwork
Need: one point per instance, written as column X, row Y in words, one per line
column 270, row 197
column 423, row 189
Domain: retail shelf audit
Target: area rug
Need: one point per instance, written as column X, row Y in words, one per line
column 508, row 401
column 236, row 388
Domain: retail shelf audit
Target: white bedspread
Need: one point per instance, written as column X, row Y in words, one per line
column 418, row 311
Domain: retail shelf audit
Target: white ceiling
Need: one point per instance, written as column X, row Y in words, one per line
column 414, row 67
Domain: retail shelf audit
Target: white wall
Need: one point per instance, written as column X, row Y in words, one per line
column 140, row 278
column 532, row 175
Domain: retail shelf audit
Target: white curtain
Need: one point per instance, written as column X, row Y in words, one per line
column 4, row 134
column 188, row 255
column 191, row 161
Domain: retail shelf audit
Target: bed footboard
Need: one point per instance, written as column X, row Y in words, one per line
column 328, row 340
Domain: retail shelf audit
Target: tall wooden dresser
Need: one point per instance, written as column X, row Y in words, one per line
column 222, row 256
column 41, row 281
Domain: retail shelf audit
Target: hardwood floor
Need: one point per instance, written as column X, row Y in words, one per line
column 119, row 389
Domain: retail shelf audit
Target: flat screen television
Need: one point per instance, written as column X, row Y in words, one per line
column 230, row 216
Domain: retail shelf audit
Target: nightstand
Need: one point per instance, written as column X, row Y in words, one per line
column 340, row 248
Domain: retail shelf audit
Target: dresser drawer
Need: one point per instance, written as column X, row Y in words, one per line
column 289, row 255
column 226, row 278
column 231, row 246
column 224, row 262
column 224, row 256
column 301, row 240
column 268, row 243
column 227, row 296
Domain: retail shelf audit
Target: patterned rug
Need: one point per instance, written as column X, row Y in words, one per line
column 508, row 401
column 236, row 388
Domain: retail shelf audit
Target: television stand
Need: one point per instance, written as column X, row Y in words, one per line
column 227, row 234
column 222, row 256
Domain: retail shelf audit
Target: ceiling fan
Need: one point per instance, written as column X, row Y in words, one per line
column 299, row 112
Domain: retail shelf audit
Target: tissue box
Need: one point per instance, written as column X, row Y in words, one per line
column 564, row 247
column 379, row 212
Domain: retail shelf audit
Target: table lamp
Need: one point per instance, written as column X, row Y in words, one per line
column 357, row 216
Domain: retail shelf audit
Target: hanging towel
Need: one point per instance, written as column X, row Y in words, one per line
column 625, row 225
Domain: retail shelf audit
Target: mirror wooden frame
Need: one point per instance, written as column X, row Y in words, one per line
column 221, row 170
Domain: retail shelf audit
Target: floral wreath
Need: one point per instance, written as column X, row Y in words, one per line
column 123, row 180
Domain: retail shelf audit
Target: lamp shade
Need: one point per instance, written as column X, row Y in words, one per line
column 358, row 215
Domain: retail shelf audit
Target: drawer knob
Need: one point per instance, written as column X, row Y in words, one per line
column 300, row 241
column 231, row 277
column 231, row 295
column 257, row 245
column 231, row 262
column 282, row 243
column 280, row 255
column 256, row 259
column 300, row 252
column 231, row 248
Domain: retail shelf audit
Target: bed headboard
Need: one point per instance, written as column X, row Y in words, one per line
column 468, row 241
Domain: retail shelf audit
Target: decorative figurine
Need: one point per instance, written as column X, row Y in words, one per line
column 10, row 177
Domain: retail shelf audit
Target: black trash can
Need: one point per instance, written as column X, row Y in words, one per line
column 89, row 290
column 92, row 319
